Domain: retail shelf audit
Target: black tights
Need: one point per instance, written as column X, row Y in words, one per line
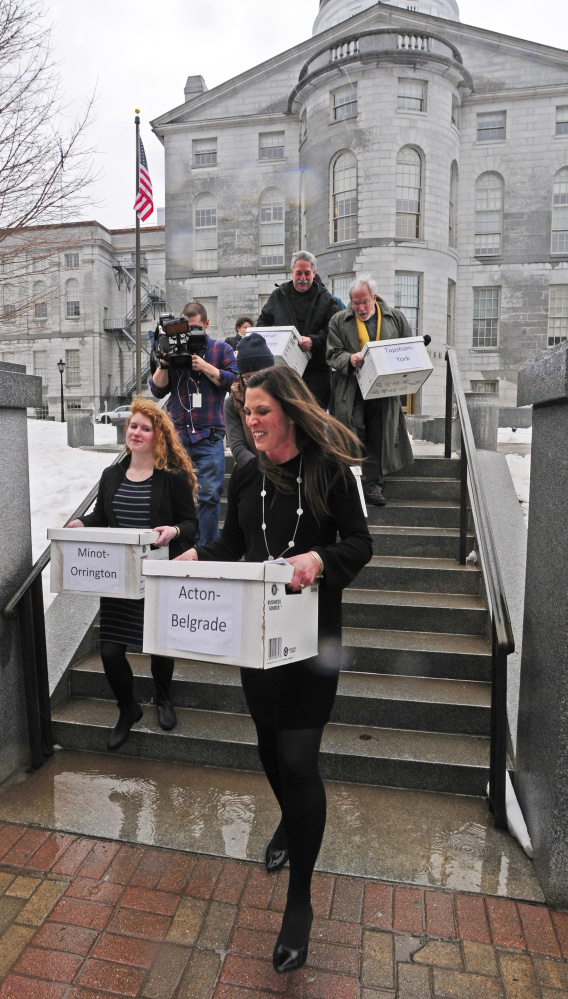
column 119, row 674
column 290, row 761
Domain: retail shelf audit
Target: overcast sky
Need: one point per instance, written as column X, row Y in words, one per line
column 139, row 53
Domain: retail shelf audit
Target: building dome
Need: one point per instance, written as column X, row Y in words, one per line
column 332, row 12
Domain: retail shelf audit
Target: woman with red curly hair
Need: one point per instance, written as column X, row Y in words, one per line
column 154, row 484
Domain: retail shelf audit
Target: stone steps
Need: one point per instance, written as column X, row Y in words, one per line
column 361, row 754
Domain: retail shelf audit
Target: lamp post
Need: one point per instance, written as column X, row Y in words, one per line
column 61, row 369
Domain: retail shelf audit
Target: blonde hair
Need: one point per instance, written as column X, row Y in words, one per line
column 168, row 451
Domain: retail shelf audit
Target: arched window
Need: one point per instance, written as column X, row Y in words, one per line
column 40, row 304
column 72, row 299
column 205, row 233
column 344, row 198
column 452, row 231
column 560, row 213
column 408, row 193
column 9, row 299
column 272, row 229
column 488, row 215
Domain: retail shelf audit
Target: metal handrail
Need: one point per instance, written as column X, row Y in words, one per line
column 503, row 640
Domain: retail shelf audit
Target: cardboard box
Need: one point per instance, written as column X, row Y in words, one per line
column 394, row 367
column 283, row 341
column 101, row 561
column 229, row 612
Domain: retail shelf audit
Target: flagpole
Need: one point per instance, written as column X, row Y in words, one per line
column 138, row 294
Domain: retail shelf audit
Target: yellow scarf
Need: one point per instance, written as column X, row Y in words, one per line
column 362, row 329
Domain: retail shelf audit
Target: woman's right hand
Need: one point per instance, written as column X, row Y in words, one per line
column 189, row 556
column 75, row 523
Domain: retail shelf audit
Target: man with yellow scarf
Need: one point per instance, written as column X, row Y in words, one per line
column 379, row 423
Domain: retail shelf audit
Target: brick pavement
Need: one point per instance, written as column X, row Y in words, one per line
column 82, row 918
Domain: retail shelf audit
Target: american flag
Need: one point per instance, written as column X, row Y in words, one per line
column 144, row 204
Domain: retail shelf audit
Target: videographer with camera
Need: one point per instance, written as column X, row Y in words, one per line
column 197, row 371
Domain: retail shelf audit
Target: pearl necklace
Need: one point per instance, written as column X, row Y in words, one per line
column 299, row 511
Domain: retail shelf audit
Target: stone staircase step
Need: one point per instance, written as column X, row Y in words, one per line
column 440, row 575
column 417, row 542
column 456, row 764
column 416, row 487
column 416, row 513
column 414, row 653
column 457, row 613
column 362, row 698
column 433, row 467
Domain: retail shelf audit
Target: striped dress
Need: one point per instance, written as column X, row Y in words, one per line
column 123, row 620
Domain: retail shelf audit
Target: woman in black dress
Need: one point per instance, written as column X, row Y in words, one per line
column 154, row 484
column 292, row 502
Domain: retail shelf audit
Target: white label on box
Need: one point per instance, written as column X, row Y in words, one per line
column 201, row 615
column 273, row 339
column 403, row 357
column 92, row 566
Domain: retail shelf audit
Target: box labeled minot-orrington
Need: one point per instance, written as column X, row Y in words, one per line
column 283, row 342
column 101, row 561
column 229, row 612
column 393, row 367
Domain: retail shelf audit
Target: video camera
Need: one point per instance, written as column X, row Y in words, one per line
column 176, row 341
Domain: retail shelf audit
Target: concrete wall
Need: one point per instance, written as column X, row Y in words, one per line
column 16, row 392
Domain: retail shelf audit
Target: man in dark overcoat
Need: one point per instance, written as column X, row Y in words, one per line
column 379, row 423
column 304, row 302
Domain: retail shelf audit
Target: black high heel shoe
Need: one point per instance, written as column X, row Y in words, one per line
column 129, row 715
column 275, row 858
column 287, row 959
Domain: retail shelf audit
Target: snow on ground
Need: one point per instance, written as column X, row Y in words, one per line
column 60, row 477
column 519, row 436
column 520, row 469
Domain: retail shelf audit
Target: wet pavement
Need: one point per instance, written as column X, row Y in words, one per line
column 89, row 918
column 417, row 838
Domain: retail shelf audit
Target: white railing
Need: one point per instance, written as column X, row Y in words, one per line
column 346, row 49
column 419, row 43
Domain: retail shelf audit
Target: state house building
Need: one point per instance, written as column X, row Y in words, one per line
column 396, row 141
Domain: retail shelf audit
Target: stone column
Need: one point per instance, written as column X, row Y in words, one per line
column 541, row 778
column 80, row 429
column 17, row 392
column 483, row 408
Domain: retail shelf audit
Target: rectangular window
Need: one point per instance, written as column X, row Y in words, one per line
column 345, row 103
column 411, row 95
column 557, row 314
column 271, row 234
column 491, row 126
column 40, row 365
column 451, row 313
column 73, row 310
column 485, row 386
column 455, row 112
column 73, row 405
column 262, row 300
column 40, row 310
column 204, row 152
column 72, row 367
column 9, row 313
column 271, row 146
column 488, row 220
column 485, row 317
column 210, row 304
column 38, row 264
column 407, row 298
column 205, row 239
column 562, row 120
column 340, row 286
column 71, row 261
column 42, row 413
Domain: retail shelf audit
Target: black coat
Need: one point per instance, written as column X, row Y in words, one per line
column 279, row 311
column 171, row 502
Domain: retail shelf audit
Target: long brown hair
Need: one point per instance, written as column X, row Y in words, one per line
column 168, row 452
column 328, row 448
